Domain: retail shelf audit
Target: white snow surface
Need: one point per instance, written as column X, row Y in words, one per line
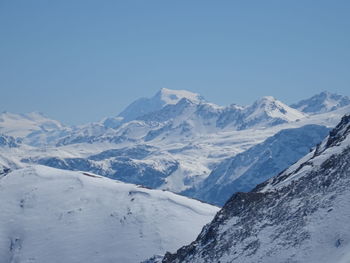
column 21, row 125
column 169, row 96
column 51, row 215
column 322, row 102
column 271, row 107
column 197, row 153
column 191, row 138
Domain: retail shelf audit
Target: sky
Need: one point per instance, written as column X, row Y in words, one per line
column 79, row 61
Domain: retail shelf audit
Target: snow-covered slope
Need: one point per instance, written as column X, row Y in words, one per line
column 301, row 215
column 246, row 170
column 9, row 141
column 323, row 102
column 50, row 215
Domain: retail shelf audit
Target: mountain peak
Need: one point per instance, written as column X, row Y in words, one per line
column 268, row 106
column 163, row 97
column 321, row 103
column 268, row 98
column 169, row 96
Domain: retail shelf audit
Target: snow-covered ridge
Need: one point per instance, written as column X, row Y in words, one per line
column 301, row 215
column 273, row 108
column 21, row 125
column 50, row 215
column 34, row 128
column 337, row 141
column 322, row 102
column 162, row 98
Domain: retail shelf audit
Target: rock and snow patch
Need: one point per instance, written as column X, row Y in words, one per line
column 301, row 215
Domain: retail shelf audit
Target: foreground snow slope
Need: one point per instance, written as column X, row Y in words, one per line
column 301, row 215
column 50, row 215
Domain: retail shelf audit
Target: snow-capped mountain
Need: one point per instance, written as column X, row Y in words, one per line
column 163, row 97
column 323, row 102
column 22, row 125
column 50, row 215
column 265, row 112
column 34, row 128
column 246, row 170
column 174, row 148
column 301, row 215
column 269, row 111
column 183, row 114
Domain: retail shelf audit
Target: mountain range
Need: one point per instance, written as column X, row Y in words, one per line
column 176, row 141
column 279, row 172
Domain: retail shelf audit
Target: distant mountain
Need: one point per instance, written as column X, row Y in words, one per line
column 115, row 129
column 175, row 147
column 192, row 118
column 163, row 97
column 268, row 112
column 244, row 171
column 323, row 102
column 301, row 215
column 21, row 125
column 35, row 128
column 50, row 215
column 186, row 117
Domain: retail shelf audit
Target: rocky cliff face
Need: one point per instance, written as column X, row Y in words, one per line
column 301, row 215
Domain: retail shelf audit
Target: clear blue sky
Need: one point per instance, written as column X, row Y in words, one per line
column 81, row 60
